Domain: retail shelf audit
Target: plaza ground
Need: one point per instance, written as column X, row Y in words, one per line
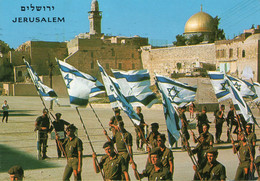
column 18, row 140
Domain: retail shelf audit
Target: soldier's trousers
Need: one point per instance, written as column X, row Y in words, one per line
column 43, row 143
column 241, row 173
column 72, row 164
column 218, row 131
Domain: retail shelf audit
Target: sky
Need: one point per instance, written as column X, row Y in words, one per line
column 158, row 20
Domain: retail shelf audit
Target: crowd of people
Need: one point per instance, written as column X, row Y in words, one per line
column 114, row 165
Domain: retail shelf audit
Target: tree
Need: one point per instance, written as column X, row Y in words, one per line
column 218, row 33
column 6, row 71
column 4, row 47
column 180, row 40
column 195, row 39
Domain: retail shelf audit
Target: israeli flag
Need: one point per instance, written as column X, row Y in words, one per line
column 171, row 117
column 112, row 89
column 244, row 87
column 135, row 86
column 46, row 92
column 219, row 85
column 179, row 93
column 256, row 88
column 80, row 86
column 239, row 103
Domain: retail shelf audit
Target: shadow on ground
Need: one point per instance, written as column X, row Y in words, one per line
column 11, row 156
column 18, row 113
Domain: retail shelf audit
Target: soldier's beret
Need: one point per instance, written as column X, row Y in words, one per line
column 116, row 110
column 45, row 110
column 71, row 127
column 58, row 114
column 212, row 150
column 16, row 170
column 107, row 144
column 155, row 151
column 155, row 125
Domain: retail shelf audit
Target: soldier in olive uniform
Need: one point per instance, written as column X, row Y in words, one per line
column 205, row 141
column 257, row 163
column 42, row 124
column 219, row 120
column 151, row 139
column 157, row 171
column 121, row 142
column 16, row 173
column 202, row 119
column 251, row 137
column 184, row 128
column 112, row 164
column 213, row 170
column 73, row 149
column 246, row 161
column 166, row 154
column 113, row 123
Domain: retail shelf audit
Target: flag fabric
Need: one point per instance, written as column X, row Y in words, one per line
column 171, row 117
column 219, row 85
column 244, row 87
column 46, row 92
column 179, row 93
column 135, row 86
column 112, row 89
column 80, row 86
column 239, row 103
column 256, row 89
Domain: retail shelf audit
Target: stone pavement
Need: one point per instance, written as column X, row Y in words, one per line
column 18, row 141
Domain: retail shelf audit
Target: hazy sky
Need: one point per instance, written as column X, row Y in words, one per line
column 159, row 20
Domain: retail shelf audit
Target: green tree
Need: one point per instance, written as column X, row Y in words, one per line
column 4, row 47
column 180, row 40
column 218, row 33
column 195, row 39
column 6, row 71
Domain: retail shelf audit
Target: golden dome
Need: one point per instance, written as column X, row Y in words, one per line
column 199, row 22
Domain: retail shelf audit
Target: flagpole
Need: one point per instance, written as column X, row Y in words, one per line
column 96, row 116
column 90, row 143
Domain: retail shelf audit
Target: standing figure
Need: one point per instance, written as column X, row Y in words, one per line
column 16, row 173
column 42, row 124
column 112, row 164
column 59, row 125
column 202, row 119
column 124, row 141
column 113, row 123
column 231, row 120
column 220, row 119
column 151, row 139
column 212, row 170
column 257, row 163
column 184, row 128
column 5, row 108
column 245, row 163
column 157, row 171
column 166, row 154
column 140, row 131
column 192, row 109
column 73, row 148
column 205, row 141
column 251, row 138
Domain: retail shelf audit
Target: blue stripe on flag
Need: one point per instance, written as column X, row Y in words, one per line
column 74, row 72
column 237, row 96
column 216, row 76
column 78, row 101
column 132, row 78
column 222, row 94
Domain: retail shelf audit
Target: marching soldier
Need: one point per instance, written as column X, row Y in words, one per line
column 220, row 119
column 157, row 171
column 184, row 127
column 251, row 137
column 202, row 119
column 112, row 164
column 153, row 135
column 246, row 161
column 113, row 123
column 124, row 141
column 42, row 124
column 231, row 120
column 16, row 173
column 73, row 149
column 213, row 170
column 205, row 141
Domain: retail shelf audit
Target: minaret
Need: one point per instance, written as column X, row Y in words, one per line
column 94, row 19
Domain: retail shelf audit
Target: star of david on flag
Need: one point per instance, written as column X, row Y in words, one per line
column 80, row 86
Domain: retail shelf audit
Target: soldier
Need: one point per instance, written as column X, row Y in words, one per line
column 42, row 124
column 139, row 135
column 113, row 123
column 112, row 164
column 121, row 142
column 184, row 128
column 73, row 148
column 157, row 171
column 16, row 173
column 166, row 154
column 251, row 137
column 246, row 161
column 213, row 170
column 257, row 163
column 202, row 119
column 220, row 119
column 230, row 122
column 205, row 141
column 151, row 139
column 59, row 125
